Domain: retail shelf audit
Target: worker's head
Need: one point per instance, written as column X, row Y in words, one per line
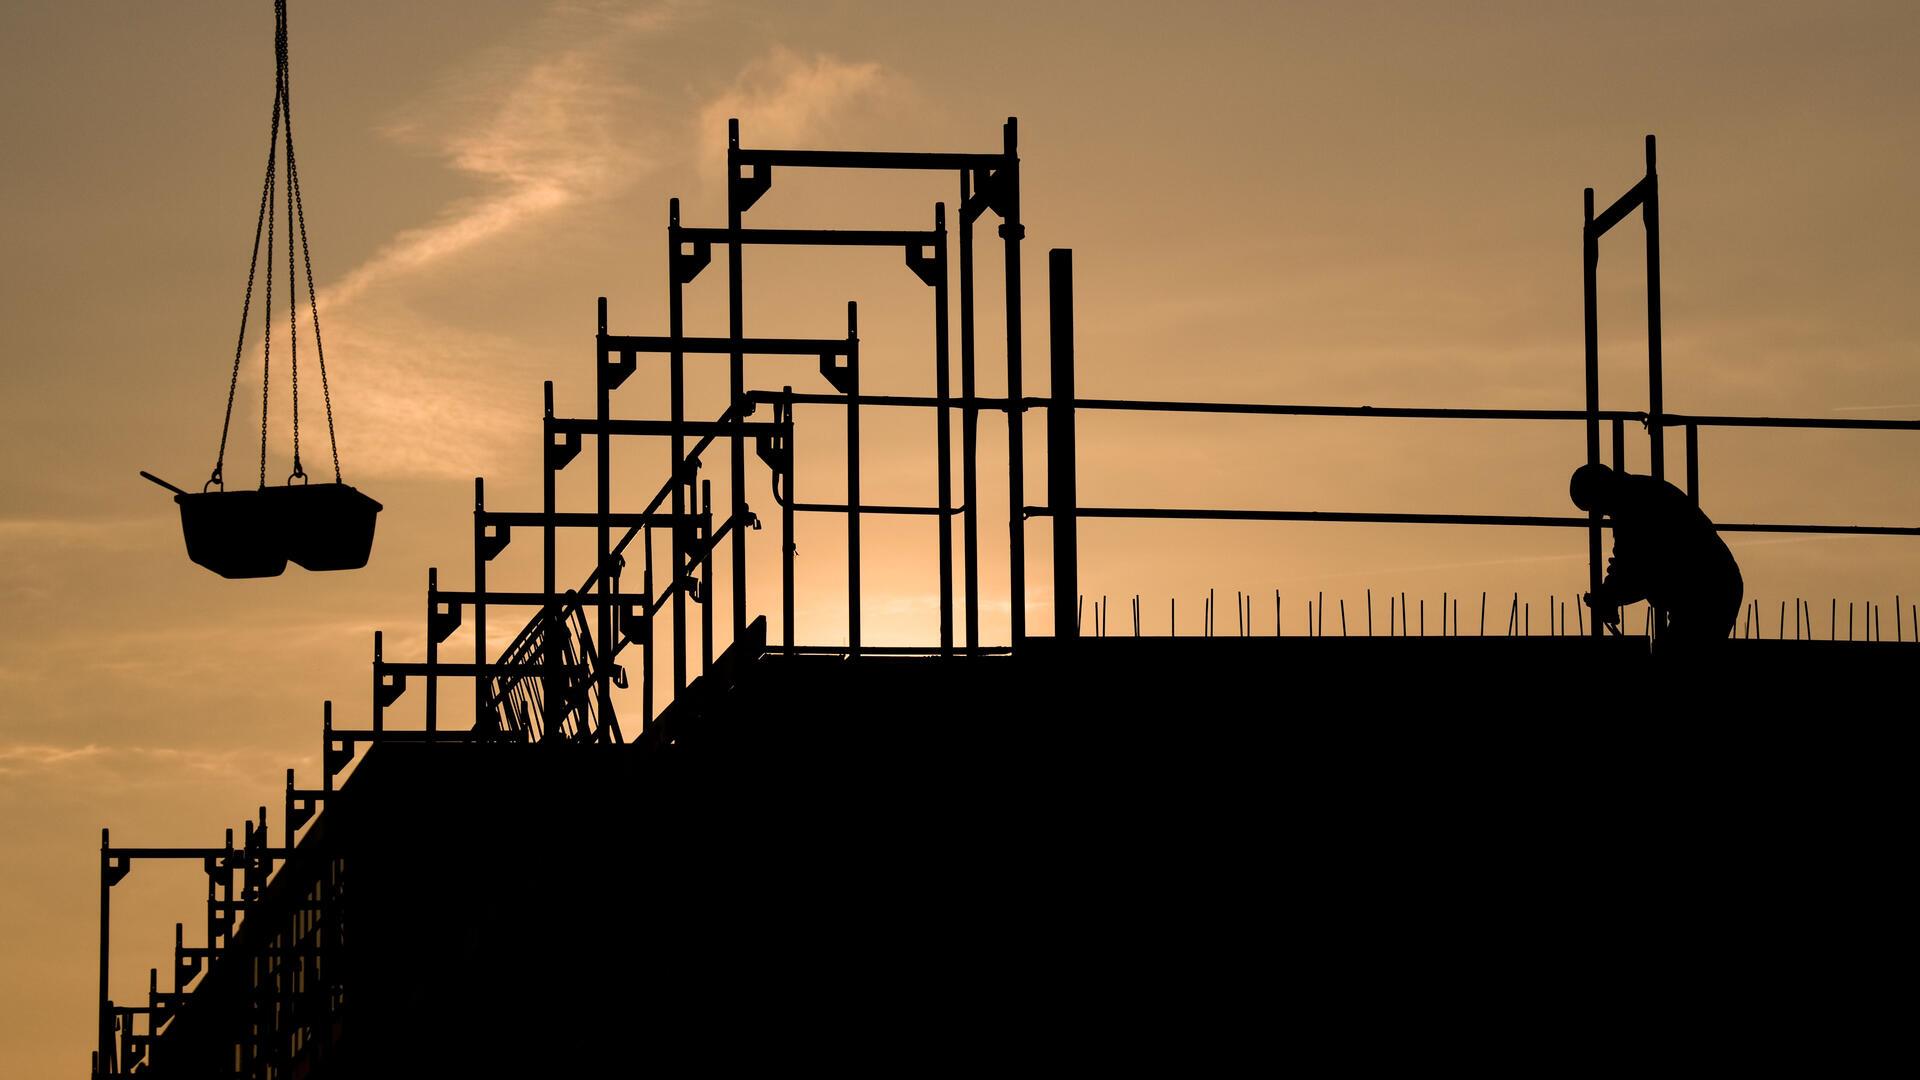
column 1592, row 487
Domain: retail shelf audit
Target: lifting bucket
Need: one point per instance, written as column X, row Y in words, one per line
column 325, row 526
column 236, row 534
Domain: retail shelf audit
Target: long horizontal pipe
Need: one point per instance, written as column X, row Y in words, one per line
column 1188, row 514
column 1380, row 412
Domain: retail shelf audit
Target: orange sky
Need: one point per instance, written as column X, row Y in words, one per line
column 1339, row 203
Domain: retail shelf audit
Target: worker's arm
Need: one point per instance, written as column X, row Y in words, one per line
column 1625, row 583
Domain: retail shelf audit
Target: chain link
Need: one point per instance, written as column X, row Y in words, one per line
column 246, row 304
column 265, row 222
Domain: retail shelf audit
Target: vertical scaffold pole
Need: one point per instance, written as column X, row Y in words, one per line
column 550, row 632
column 677, row 409
column 603, row 545
column 784, row 418
column 943, row 424
column 1590, row 263
column 736, row 386
column 433, row 648
column 1656, row 411
column 1011, row 231
column 706, row 576
column 106, row 923
column 1062, row 494
column 853, row 477
column 479, row 604
column 969, row 429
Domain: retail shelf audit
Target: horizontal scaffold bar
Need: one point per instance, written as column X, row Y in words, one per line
column 583, row 520
column 534, row 599
column 874, row 508
column 236, row 853
column 864, row 159
column 807, row 237
column 590, row 426
column 451, row 667
column 409, row 735
column 728, row 345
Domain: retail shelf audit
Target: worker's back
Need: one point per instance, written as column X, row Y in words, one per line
column 1665, row 541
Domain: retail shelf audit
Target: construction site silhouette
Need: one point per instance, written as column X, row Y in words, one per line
column 1150, row 850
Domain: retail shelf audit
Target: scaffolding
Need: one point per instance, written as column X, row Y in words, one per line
column 553, row 680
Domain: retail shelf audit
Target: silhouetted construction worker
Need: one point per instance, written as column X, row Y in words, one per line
column 1665, row 551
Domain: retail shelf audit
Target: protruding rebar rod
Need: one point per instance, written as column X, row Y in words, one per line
column 1343, row 616
column 1369, row 612
column 1483, row 613
column 1443, row 615
column 1062, row 478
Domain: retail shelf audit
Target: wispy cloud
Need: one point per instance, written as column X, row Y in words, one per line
column 543, row 127
column 554, row 127
column 104, row 763
column 784, row 98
